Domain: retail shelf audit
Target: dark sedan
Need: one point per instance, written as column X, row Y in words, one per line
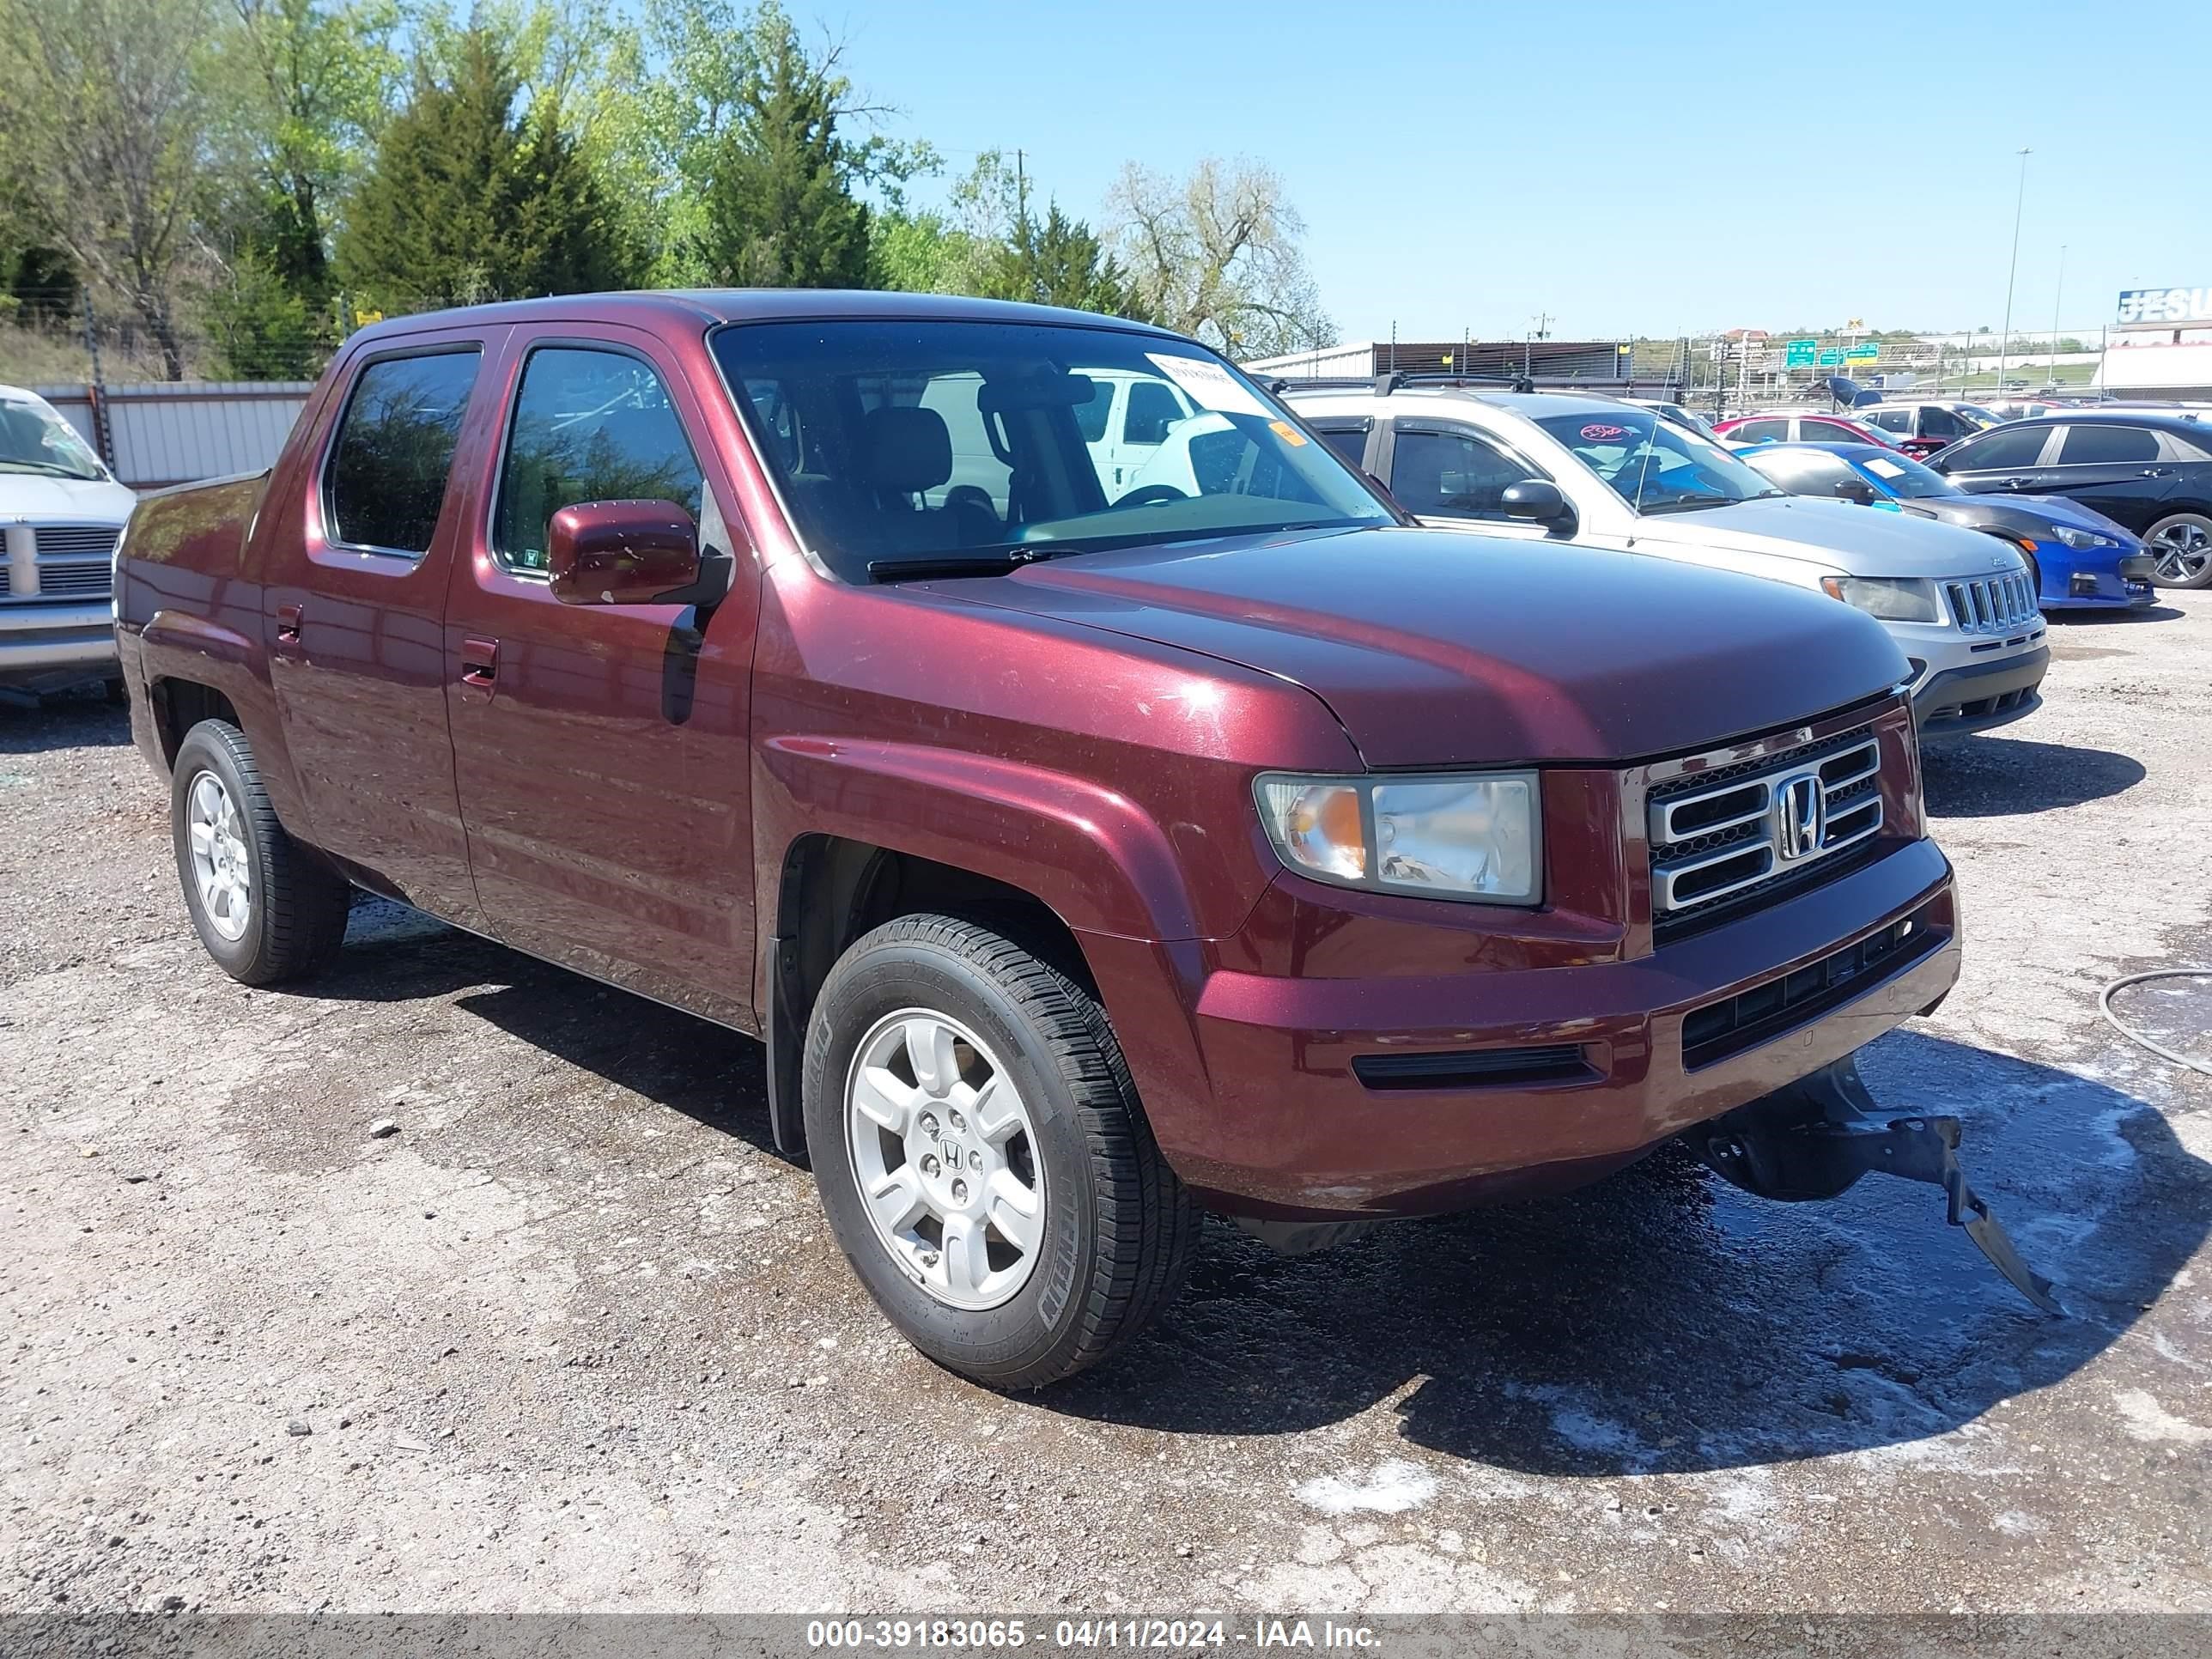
column 2149, row 471
column 2079, row 557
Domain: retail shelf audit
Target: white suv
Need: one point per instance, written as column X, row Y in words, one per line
column 1607, row 473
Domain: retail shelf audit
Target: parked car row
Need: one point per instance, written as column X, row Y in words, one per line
column 1568, row 469
column 1089, row 847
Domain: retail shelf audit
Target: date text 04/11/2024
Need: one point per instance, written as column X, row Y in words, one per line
column 1171, row 1635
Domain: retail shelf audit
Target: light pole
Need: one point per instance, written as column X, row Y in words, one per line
column 2004, row 340
column 2058, row 298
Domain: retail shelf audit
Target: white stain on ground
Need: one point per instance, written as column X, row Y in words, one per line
column 1391, row 1487
column 2146, row 1420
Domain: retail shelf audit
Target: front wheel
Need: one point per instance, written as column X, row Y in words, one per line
column 982, row 1155
column 264, row 908
column 2182, row 544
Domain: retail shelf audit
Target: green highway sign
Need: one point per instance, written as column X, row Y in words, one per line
column 1798, row 354
column 1832, row 358
column 1868, row 352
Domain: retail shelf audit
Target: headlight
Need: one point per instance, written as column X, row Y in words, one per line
column 2072, row 537
column 1892, row 599
column 1470, row 837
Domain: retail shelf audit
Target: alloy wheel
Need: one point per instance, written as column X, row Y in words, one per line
column 2183, row 551
column 221, row 870
column 946, row 1158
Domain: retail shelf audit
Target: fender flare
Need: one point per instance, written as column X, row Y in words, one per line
column 177, row 645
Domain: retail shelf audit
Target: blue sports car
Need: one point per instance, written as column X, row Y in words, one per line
column 2081, row 559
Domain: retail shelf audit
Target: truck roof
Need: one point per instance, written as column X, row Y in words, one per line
column 705, row 307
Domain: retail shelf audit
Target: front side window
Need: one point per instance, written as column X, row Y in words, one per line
column 1828, row 432
column 1350, row 442
column 386, row 478
column 1153, row 410
column 1455, row 472
column 903, row 442
column 1090, row 417
column 2012, row 446
column 589, row 426
column 1942, row 423
column 2105, row 445
column 1654, row 464
column 34, row 438
column 1802, row 471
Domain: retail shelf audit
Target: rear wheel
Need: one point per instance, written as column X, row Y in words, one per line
column 265, row 907
column 2182, row 544
column 982, row 1155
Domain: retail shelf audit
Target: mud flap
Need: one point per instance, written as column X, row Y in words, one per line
column 1815, row 1137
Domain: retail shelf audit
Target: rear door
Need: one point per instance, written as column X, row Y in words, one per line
column 2124, row 472
column 353, row 600
column 601, row 751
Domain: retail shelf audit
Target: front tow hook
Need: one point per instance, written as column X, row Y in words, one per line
column 1816, row 1136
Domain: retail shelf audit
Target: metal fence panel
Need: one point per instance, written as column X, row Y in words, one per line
column 168, row 434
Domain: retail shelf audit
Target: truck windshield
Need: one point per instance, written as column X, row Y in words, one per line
column 35, row 440
column 1655, row 463
column 927, row 443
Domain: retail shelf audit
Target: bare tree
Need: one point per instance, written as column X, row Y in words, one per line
column 104, row 121
column 1216, row 256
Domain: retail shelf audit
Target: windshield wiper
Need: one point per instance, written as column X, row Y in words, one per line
column 955, row 564
column 54, row 467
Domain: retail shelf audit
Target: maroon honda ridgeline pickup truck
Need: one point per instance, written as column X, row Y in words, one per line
column 1105, row 805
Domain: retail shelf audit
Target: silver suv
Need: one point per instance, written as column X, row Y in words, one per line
column 1607, row 473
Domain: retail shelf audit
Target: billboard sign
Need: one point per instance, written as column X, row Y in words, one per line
column 2140, row 306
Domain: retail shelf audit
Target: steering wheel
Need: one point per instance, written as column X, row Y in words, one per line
column 1151, row 496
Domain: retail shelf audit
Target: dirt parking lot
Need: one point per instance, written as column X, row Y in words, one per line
column 574, row 1338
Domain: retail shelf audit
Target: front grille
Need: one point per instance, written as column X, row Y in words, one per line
column 73, row 541
column 1721, row 1030
column 1473, row 1068
column 1991, row 604
column 1735, row 836
column 73, row 581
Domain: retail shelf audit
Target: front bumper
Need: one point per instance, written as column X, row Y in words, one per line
column 43, row 644
column 1955, row 703
column 1267, row 1096
column 2091, row 580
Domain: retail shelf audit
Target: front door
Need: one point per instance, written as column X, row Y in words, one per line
column 1445, row 473
column 601, row 750
column 353, row 598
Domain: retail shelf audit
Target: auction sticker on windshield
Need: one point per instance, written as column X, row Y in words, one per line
column 1598, row 433
column 1210, row 385
column 1883, row 468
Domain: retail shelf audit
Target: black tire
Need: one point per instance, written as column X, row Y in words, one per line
column 2184, row 538
column 1118, row 1225
column 296, row 918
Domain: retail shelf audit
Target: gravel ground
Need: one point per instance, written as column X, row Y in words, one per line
column 573, row 1337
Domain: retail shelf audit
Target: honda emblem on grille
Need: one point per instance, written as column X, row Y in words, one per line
column 1800, row 815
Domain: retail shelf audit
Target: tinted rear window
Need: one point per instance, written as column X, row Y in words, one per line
column 2093, row 444
column 387, row 477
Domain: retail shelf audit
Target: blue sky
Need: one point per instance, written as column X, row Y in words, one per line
column 1654, row 168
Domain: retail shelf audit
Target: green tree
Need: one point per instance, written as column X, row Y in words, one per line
column 1060, row 262
column 104, row 108
column 306, row 84
column 476, row 192
column 1216, row 256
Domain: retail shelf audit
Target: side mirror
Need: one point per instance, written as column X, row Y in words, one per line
column 627, row 553
column 1534, row 501
column 1856, row 490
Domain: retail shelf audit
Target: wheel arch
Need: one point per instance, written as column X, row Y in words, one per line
column 833, row 889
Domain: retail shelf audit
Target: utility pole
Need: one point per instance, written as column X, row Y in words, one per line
column 2004, row 340
column 2050, row 376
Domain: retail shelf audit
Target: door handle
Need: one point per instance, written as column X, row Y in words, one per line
column 479, row 668
column 2017, row 483
column 288, row 623
column 2156, row 471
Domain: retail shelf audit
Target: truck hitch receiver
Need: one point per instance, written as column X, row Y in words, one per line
column 1814, row 1138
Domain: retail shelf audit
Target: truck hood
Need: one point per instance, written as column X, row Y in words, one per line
column 1830, row 535
column 1437, row 647
column 38, row 498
